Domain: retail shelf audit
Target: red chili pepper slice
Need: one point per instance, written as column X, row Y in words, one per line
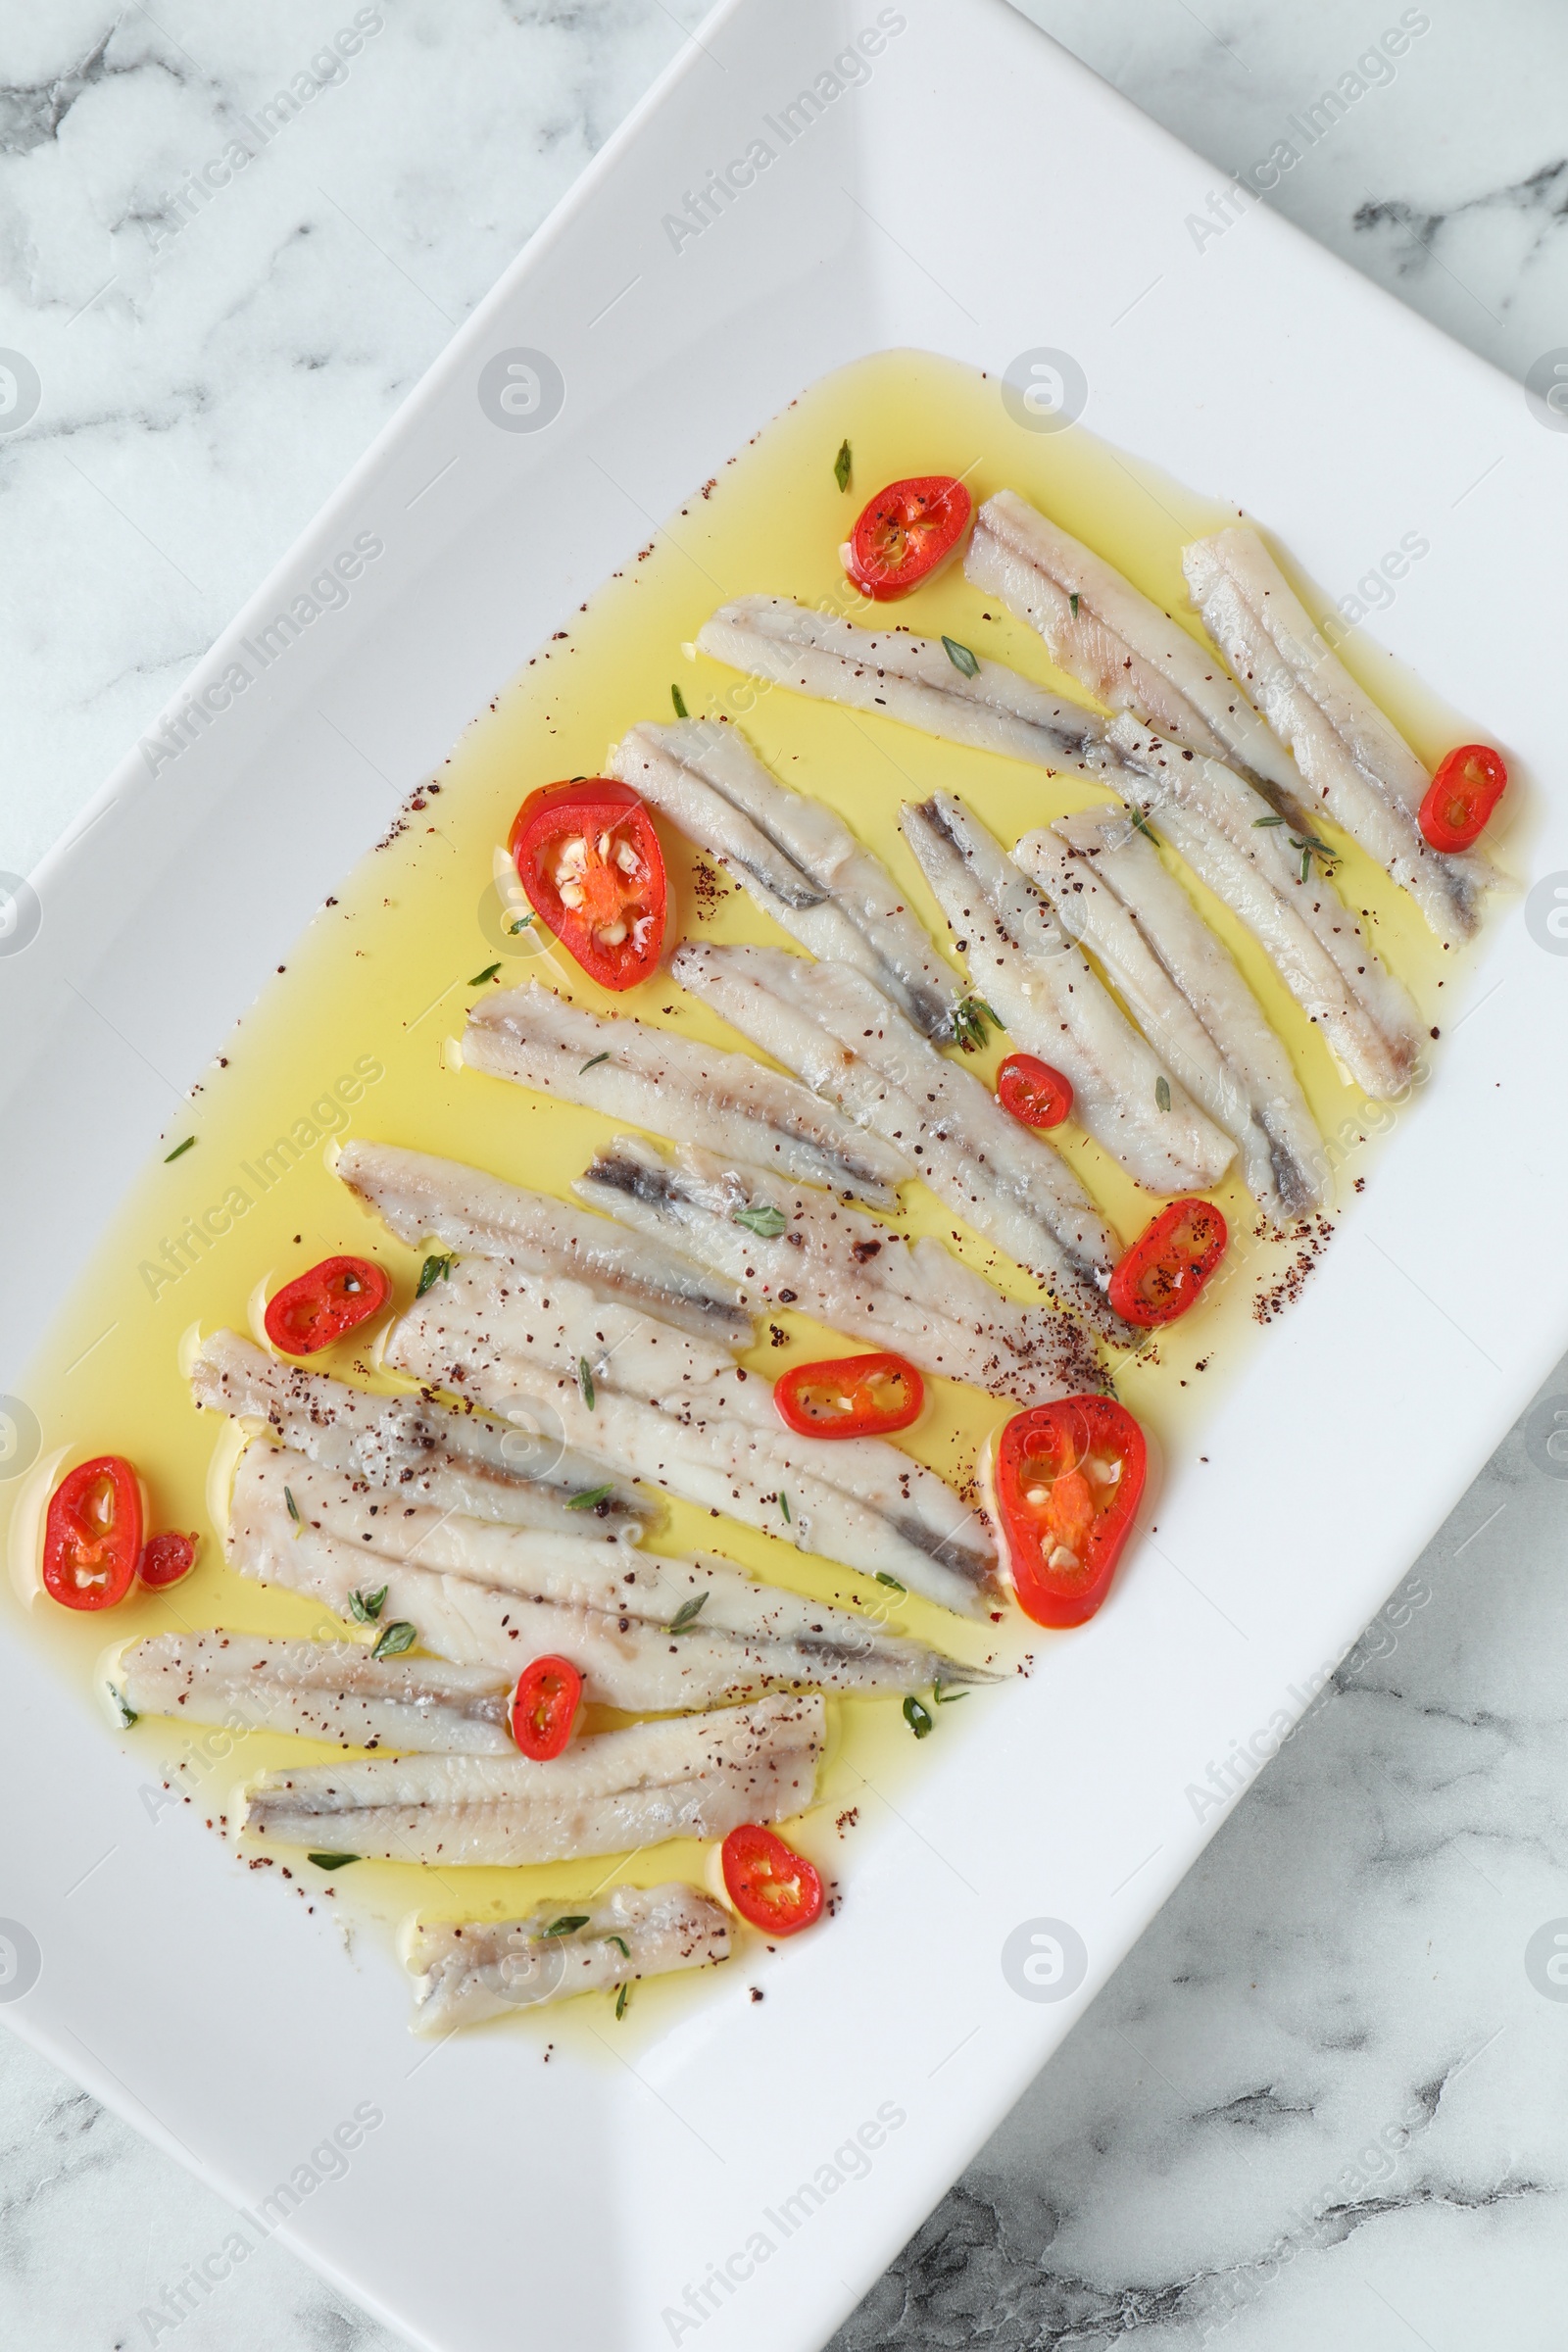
column 906, row 534
column 166, row 1561
column 92, row 1534
column 769, row 1884
column 590, row 861
column 1161, row 1275
column 1068, row 1477
column 1461, row 795
column 316, row 1308
column 544, row 1707
column 851, row 1396
column 1036, row 1094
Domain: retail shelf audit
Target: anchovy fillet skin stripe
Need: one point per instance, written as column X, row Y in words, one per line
column 1110, row 890
column 798, row 860
column 686, row 1776
column 841, row 1035
column 1117, row 643
column 467, row 1971
column 1357, row 765
column 842, row 1268
column 1052, row 1005
column 332, row 1691
column 419, row 1197
column 654, row 1078
column 1313, row 941
column 913, row 680
column 426, row 1455
column 493, row 1600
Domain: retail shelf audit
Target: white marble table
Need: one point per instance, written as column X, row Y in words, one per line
column 1320, row 2102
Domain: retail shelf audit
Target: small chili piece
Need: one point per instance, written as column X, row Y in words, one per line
column 92, row 1534
column 1161, row 1275
column 544, row 1707
column 905, row 535
column 1461, row 795
column 316, row 1308
column 769, row 1884
column 589, row 858
column 1068, row 1477
column 851, row 1396
column 167, row 1559
column 1034, row 1092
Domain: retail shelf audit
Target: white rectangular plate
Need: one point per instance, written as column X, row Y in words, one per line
column 974, row 193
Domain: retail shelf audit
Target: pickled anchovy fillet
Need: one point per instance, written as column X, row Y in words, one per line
column 687, row 1776
column 1110, row 889
column 467, row 1971
column 560, row 1325
column 913, row 680
column 842, row 1268
column 1310, row 934
column 669, row 1084
column 841, row 1035
column 799, row 861
column 420, row 1196
column 1052, row 1005
column 678, row 1412
column 492, row 1598
column 721, row 1445
column 321, row 1690
column 1111, row 638
column 1357, row 765
column 426, row 1453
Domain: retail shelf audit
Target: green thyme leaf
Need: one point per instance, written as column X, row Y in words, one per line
column 1266, row 821
column 1307, row 843
column 784, row 1506
column 945, row 1698
column 293, row 1506
column 883, row 1578
column 1140, row 823
column 332, row 1861
column 1162, row 1093
column 969, row 1019
column 679, row 700
column 917, row 1718
column 365, row 1607
column 961, row 657
column 569, row 1924
column 489, row 973
column 394, row 1638
column 969, row 1023
column 621, row 1941
column 592, row 1500
column 179, row 1149
column 1073, row 601
column 593, row 1064
column 841, row 465
column 622, row 1998
column 434, row 1269
column 585, row 1381
column 525, row 922
column 127, row 1713
column 765, row 1220
column 687, row 1614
